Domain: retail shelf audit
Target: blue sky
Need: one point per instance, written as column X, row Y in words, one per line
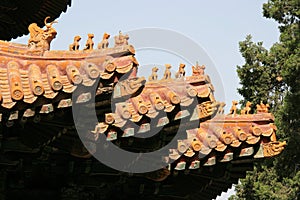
column 215, row 26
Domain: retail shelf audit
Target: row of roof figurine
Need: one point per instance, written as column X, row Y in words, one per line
column 41, row 38
column 197, row 70
column 120, row 40
column 260, row 108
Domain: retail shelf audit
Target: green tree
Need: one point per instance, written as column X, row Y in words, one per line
column 273, row 76
column 260, row 76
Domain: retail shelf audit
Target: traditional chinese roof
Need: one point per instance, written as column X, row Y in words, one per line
column 16, row 15
column 25, row 78
column 39, row 87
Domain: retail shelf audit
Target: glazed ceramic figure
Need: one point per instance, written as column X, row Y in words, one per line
column 104, row 43
column 40, row 38
column 167, row 74
column 89, row 43
column 75, row 45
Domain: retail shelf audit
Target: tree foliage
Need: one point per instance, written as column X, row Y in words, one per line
column 260, row 76
column 273, row 76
